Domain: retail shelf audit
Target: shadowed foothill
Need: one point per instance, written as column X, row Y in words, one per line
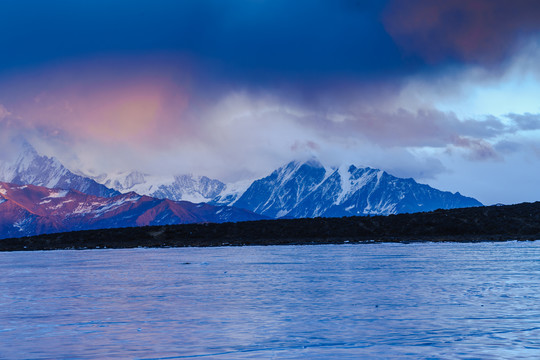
column 491, row 223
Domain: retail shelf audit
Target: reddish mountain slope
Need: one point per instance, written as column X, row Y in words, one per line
column 31, row 210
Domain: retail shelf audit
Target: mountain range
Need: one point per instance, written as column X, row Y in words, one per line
column 30, row 210
column 299, row 189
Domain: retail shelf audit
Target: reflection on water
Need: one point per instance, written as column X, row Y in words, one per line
column 283, row 302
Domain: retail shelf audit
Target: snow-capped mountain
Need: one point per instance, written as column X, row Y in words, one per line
column 308, row 189
column 279, row 193
column 31, row 168
column 299, row 189
column 191, row 188
column 30, row 210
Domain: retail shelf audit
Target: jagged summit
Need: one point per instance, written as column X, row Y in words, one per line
column 277, row 194
column 29, row 167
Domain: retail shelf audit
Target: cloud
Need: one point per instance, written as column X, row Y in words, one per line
column 477, row 149
column 11, row 135
column 101, row 101
column 525, row 121
column 404, row 128
column 480, row 31
column 3, row 112
column 140, row 119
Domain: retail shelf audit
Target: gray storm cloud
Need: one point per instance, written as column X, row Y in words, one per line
column 479, row 31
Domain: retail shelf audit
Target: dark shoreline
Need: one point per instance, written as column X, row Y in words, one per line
column 478, row 224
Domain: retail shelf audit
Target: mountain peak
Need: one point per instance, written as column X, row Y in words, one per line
column 308, row 189
column 29, row 167
column 313, row 162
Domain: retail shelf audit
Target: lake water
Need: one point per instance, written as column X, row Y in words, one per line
column 448, row 301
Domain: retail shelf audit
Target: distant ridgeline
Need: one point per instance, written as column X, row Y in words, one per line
column 296, row 190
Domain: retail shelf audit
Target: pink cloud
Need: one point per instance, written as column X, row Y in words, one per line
column 3, row 112
column 92, row 102
column 478, row 149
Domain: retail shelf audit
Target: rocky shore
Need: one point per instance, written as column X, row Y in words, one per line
column 485, row 223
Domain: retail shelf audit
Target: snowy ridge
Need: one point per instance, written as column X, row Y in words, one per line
column 190, row 188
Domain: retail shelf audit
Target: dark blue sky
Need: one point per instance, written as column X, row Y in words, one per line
column 251, row 39
column 257, row 40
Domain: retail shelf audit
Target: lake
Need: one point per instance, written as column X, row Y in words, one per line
column 397, row 301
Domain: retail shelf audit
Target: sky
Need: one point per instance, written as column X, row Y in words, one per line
column 446, row 92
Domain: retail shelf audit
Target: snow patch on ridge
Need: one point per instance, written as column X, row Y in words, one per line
column 22, row 224
column 281, row 213
column 346, row 184
column 103, row 209
column 57, row 194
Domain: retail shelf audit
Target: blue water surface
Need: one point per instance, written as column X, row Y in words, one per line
column 395, row 301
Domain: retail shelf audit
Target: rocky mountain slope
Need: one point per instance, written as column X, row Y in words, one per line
column 30, row 210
